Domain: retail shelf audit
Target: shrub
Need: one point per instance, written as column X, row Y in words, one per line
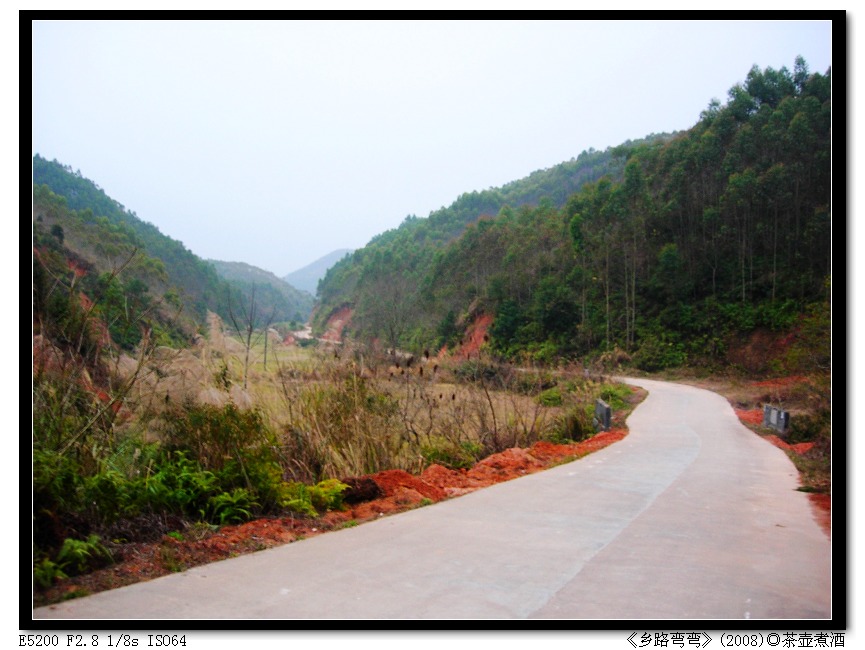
column 46, row 573
column 807, row 427
column 108, row 496
column 551, row 397
column 309, row 499
column 327, row 495
column 655, row 354
column 547, row 352
column 56, row 482
column 77, row 556
column 231, row 507
column 296, row 498
column 615, row 395
column 211, row 435
column 179, row 486
column 256, row 471
column 576, row 424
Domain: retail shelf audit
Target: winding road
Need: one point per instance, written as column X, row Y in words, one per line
column 691, row 516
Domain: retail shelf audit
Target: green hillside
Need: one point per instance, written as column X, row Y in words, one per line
column 196, row 281
column 671, row 250
column 398, row 260
column 103, row 232
column 287, row 303
column 86, row 266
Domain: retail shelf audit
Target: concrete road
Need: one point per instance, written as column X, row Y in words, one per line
column 692, row 516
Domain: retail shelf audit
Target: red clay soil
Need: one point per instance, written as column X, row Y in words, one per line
column 402, row 491
column 76, row 268
column 336, row 324
column 750, row 416
column 800, row 448
column 821, row 505
column 475, row 337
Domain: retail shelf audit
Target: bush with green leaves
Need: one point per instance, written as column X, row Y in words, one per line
column 56, row 482
column 615, row 395
column 575, row 425
column 78, row 556
column 234, row 445
column 808, row 427
column 232, row 507
column 179, row 485
column 213, row 435
column 551, row 397
column 312, row 499
column 327, row 495
column 109, row 495
column 657, row 354
column 46, row 572
column 296, row 498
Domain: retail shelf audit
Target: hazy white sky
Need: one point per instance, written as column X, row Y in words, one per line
column 276, row 142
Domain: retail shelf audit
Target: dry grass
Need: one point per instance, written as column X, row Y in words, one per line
column 346, row 412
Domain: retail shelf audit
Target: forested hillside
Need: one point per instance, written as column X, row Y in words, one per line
column 86, row 267
column 671, row 248
column 405, row 254
column 103, row 232
column 286, row 302
column 196, row 281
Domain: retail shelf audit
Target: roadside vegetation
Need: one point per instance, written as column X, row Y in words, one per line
column 169, row 442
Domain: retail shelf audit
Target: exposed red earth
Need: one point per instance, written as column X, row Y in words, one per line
column 336, row 324
column 475, row 337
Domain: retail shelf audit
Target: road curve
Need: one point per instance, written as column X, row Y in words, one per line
column 691, row 516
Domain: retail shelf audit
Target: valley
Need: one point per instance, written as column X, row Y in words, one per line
column 187, row 411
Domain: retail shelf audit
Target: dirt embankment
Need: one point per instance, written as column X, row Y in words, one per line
column 475, row 336
column 336, row 324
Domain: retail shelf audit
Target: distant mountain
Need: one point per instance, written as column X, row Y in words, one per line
column 289, row 302
column 307, row 278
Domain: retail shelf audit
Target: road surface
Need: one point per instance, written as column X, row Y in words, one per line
column 691, row 516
